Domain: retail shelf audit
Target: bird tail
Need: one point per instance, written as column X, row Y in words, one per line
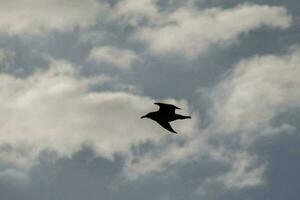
column 184, row 117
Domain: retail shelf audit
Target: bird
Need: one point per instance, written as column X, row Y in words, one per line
column 164, row 115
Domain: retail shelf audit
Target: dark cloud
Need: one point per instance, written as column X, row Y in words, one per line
column 82, row 177
column 87, row 176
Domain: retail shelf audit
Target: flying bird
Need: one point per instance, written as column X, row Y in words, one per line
column 164, row 115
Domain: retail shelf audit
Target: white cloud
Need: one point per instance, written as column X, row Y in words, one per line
column 257, row 90
column 121, row 58
column 53, row 110
column 19, row 17
column 136, row 11
column 171, row 153
column 245, row 172
column 144, row 7
column 245, row 102
column 191, row 31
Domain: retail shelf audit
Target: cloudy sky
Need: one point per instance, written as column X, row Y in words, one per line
column 75, row 77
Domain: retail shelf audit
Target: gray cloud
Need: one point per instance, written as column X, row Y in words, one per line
column 248, row 155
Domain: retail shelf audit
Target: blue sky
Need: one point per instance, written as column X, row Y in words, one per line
column 75, row 77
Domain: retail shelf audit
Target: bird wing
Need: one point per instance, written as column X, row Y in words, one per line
column 167, row 126
column 169, row 108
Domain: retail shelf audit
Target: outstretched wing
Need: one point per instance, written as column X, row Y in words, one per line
column 164, row 107
column 167, row 126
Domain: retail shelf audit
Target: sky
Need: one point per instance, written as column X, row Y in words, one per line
column 76, row 76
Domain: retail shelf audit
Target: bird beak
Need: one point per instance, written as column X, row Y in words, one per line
column 143, row 117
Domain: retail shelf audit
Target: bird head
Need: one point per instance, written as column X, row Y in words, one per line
column 146, row 116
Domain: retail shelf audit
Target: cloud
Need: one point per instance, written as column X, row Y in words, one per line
column 7, row 59
column 61, row 111
column 254, row 93
column 135, row 11
column 245, row 102
column 189, row 32
column 121, row 58
column 171, row 153
column 2, row 57
column 245, row 172
column 35, row 17
column 55, row 110
column 258, row 89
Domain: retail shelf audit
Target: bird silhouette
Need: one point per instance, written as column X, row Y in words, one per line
column 164, row 115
